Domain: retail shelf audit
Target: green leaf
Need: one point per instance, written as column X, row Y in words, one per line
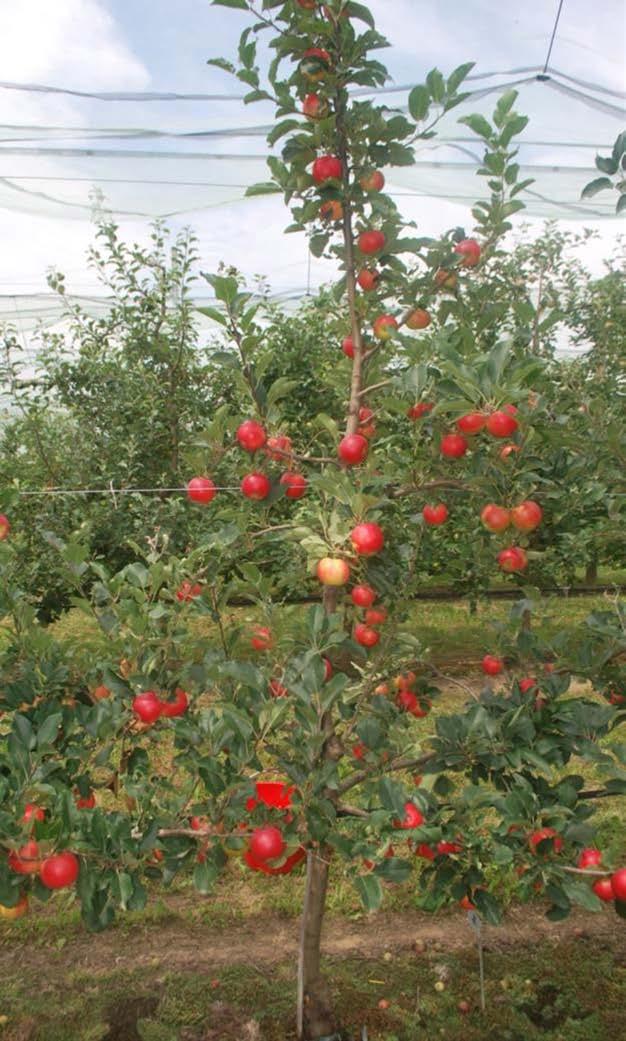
column 595, row 186
column 49, row 730
column 436, row 85
column 478, row 124
column 369, row 889
column 240, row 5
column 419, row 103
column 355, row 10
column 458, row 75
column 204, row 876
column 607, row 165
column 392, row 869
column 621, row 203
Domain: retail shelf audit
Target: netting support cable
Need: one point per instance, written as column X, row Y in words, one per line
column 552, row 38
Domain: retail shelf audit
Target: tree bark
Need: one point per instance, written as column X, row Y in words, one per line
column 315, row 1015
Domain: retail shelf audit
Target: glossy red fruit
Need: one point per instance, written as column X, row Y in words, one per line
column 370, row 242
column 527, row 516
column 507, row 451
column 501, row 424
column 367, row 539
column 445, row 279
column 413, row 818
column 147, row 706
column 256, row 486
column 368, row 279
column 314, row 106
column 366, row 636
column 261, row 639
column 372, row 182
column 331, row 210
column 491, row 665
column 541, row 835
column 495, row 518
column 332, row 571
column 32, row 812
column 376, row 616
column 317, row 52
column 328, row 670
column 267, row 843
column 353, row 449
column 467, row 905
column 526, row 684
column 448, row 849
column 469, row 249
column 307, row 5
column 418, row 319
column 5, row 527
column 589, row 858
column 363, row 596
column 276, row 794
column 365, row 414
column 384, row 327
column 26, row 860
column 178, row 706
column 326, row 168
column 618, row 882
column 359, row 750
column 201, row 489
column 188, row 591
column 453, row 446
column 296, row 485
column 435, row 515
column 59, row 871
column 604, row 890
column 471, row 423
column 347, row 347
column 512, row 559
column 278, row 447
column 85, row 802
column 251, row 435
column 419, row 410
column 425, row 851
column 277, row 689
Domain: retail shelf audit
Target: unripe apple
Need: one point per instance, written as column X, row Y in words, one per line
column 471, row 423
column 201, row 489
column 367, row 539
column 507, row 451
column 512, row 559
column 469, row 249
column 255, row 486
column 445, row 279
column 527, row 516
column 366, row 636
column 251, row 435
column 370, row 242
column 372, row 182
column 453, row 446
column 418, row 319
column 332, row 571
column 147, row 706
column 501, row 424
column 363, row 596
column 326, row 168
column 384, row 326
column 492, row 666
column 435, row 515
column 296, row 485
column 495, row 518
column 18, row 911
column 353, row 449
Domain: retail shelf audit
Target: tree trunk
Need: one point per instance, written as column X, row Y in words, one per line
column 591, row 574
column 315, row 1015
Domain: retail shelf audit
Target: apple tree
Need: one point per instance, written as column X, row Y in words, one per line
column 149, row 750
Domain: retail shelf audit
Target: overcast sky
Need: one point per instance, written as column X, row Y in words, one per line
column 141, row 45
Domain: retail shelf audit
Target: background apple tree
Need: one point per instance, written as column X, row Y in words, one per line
column 300, row 740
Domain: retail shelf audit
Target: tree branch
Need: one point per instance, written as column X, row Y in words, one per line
column 402, row 763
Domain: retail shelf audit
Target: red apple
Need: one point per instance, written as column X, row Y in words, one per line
column 507, row 451
column 384, row 326
column 526, row 684
column 296, row 485
column 359, row 750
column 471, row 423
column 328, row 670
column 5, row 527
column 445, row 279
column 501, row 424
column 147, row 706
column 326, row 168
column 618, row 882
column 333, row 571
column 18, row 911
column 418, row 319
column 277, row 689
column 367, row 278
column 435, row 515
column 541, row 835
column 495, row 518
column 376, row 616
column 178, row 706
column 372, row 182
column 85, row 802
column 26, row 860
column 278, row 447
column 604, row 890
column 413, row 818
column 469, row 249
column 353, row 449
column 512, row 559
column 267, row 843
column 492, row 666
column 370, row 242
column 453, row 446
column 307, row 5
column 314, row 106
column 446, row 849
column 201, row 489
column 255, row 486
column 347, row 347
column 32, row 812
column 262, row 638
column 331, row 210
column 59, row 871
column 363, row 596
column 420, row 409
column 425, row 851
column 100, row 692
column 365, row 414
column 186, row 593
column 367, row 539
column 590, row 858
column 366, row 636
column 527, row 516
column 251, row 435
